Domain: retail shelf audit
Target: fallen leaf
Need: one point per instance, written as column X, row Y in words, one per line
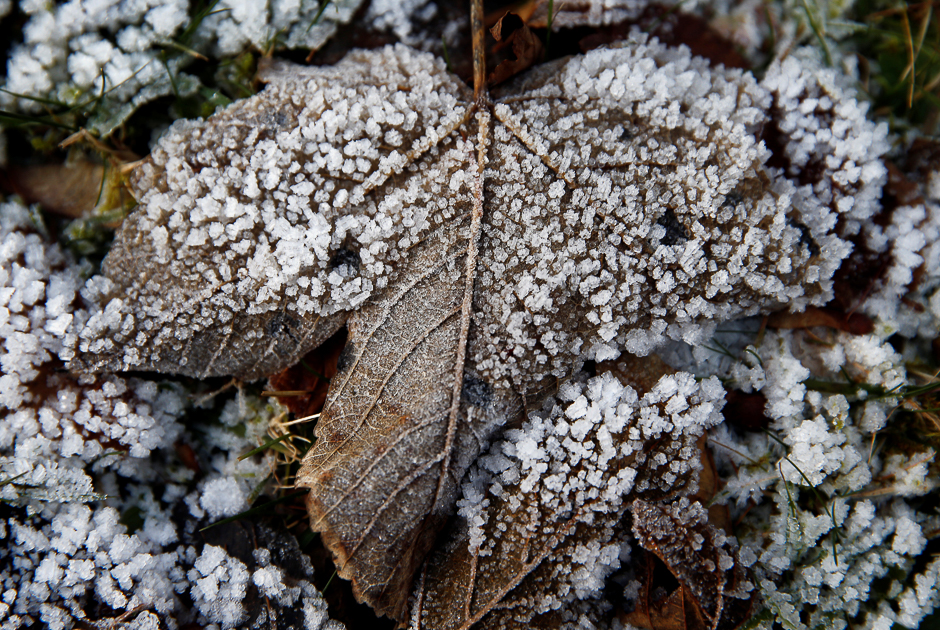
column 78, row 188
column 852, row 323
column 480, row 251
column 715, row 592
column 659, row 607
column 526, row 46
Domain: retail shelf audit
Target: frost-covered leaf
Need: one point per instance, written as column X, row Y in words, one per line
column 714, row 590
column 479, row 251
column 540, row 518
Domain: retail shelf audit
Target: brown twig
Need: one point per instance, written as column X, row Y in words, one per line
column 479, row 49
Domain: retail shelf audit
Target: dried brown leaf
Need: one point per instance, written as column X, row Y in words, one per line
column 715, row 592
column 526, row 47
column 72, row 189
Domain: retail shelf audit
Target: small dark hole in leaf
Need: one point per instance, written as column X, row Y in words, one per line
column 806, row 238
column 281, row 325
column 476, row 392
column 345, row 258
column 590, row 368
column 732, row 199
column 675, row 231
column 626, row 135
column 345, row 357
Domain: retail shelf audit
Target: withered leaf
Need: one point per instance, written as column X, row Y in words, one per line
column 538, row 526
column 480, row 251
column 78, row 188
column 715, row 592
column 853, row 323
column 526, row 47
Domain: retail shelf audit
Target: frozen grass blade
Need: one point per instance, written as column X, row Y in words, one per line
column 268, row 444
column 258, row 510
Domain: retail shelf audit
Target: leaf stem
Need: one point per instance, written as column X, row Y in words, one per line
column 479, row 50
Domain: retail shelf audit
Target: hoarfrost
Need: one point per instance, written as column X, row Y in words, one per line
column 625, row 199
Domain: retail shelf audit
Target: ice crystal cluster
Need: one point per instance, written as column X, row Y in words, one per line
column 401, row 18
column 66, row 56
column 78, row 454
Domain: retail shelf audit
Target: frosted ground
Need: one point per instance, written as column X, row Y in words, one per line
column 107, row 480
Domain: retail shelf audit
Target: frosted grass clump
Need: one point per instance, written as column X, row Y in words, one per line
column 401, row 17
column 61, row 568
column 74, row 52
column 62, row 561
column 912, row 241
column 233, row 482
column 78, row 51
column 219, row 583
column 52, row 564
column 819, row 562
column 235, row 25
column 85, row 416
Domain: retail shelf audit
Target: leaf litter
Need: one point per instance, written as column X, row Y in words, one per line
column 479, row 253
